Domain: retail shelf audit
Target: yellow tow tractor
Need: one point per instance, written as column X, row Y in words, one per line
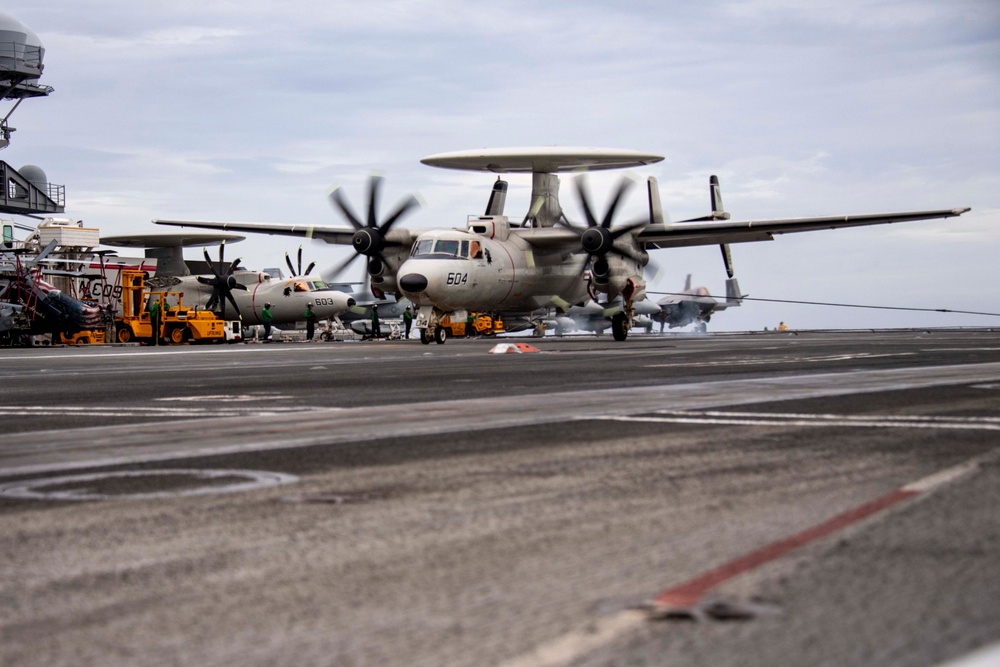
column 474, row 324
column 85, row 337
column 177, row 323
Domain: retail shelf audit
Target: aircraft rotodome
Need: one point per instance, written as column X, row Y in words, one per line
column 542, row 260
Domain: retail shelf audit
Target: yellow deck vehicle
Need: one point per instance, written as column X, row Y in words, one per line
column 177, row 323
column 477, row 324
column 85, row 337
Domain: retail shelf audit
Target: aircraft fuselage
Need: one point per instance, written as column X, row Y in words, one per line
column 288, row 297
column 473, row 270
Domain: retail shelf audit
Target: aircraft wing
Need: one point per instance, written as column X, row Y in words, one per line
column 715, row 232
column 328, row 233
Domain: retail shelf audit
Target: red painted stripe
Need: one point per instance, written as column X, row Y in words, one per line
column 688, row 593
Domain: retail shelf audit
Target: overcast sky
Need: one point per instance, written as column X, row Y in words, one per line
column 253, row 110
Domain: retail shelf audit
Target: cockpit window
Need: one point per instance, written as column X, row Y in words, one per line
column 441, row 249
column 318, row 284
column 447, row 248
column 301, row 286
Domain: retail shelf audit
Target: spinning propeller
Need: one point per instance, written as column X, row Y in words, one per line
column 370, row 237
column 222, row 284
column 597, row 239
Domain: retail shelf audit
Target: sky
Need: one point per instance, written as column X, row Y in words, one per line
column 253, row 111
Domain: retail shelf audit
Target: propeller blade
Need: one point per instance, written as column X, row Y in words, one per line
column 205, row 281
column 582, row 193
column 229, row 296
column 625, row 229
column 374, row 184
column 232, row 267
column 300, row 262
column 309, row 268
column 211, row 266
column 623, row 187
column 331, row 276
column 288, row 261
column 338, row 200
column 222, row 258
column 400, row 211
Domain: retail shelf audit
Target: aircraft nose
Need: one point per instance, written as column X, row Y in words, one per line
column 413, row 283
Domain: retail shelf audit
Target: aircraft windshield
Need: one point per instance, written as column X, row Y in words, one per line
column 441, row 249
column 318, row 284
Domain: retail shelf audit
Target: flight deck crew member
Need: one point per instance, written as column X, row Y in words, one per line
column 154, row 319
column 376, row 325
column 266, row 318
column 310, row 321
column 407, row 322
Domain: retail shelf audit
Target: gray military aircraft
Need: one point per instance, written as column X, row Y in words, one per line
column 597, row 318
column 249, row 291
column 695, row 305
column 543, row 260
column 219, row 285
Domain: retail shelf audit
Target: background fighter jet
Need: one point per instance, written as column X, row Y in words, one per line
column 695, row 305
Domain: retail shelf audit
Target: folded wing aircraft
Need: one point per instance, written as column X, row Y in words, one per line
column 493, row 263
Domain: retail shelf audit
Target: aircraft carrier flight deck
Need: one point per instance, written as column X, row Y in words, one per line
column 804, row 498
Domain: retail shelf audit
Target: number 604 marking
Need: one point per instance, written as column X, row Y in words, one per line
column 458, row 278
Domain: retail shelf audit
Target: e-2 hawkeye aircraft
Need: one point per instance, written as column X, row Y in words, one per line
column 495, row 264
column 218, row 283
column 250, row 291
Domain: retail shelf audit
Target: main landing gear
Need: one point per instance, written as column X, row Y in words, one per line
column 438, row 334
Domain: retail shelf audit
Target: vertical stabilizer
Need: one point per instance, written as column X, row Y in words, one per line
column 655, row 208
column 733, row 295
column 498, row 198
column 718, row 210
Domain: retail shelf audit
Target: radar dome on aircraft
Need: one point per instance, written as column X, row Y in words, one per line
column 20, row 48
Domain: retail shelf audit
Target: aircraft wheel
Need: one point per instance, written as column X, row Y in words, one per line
column 440, row 335
column 424, row 338
column 325, row 337
column 178, row 335
column 124, row 333
column 619, row 326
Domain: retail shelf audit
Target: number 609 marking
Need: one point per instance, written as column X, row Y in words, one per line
column 458, row 278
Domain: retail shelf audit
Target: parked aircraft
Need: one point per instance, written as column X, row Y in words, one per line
column 695, row 305
column 30, row 305
column 248, row 292
column 495, row 264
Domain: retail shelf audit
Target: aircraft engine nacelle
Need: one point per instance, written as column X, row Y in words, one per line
column 600, row 271
column 382, row 268
column 618, row 276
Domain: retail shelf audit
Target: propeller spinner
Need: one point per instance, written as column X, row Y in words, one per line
column 370, row 237
column 598, row 238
